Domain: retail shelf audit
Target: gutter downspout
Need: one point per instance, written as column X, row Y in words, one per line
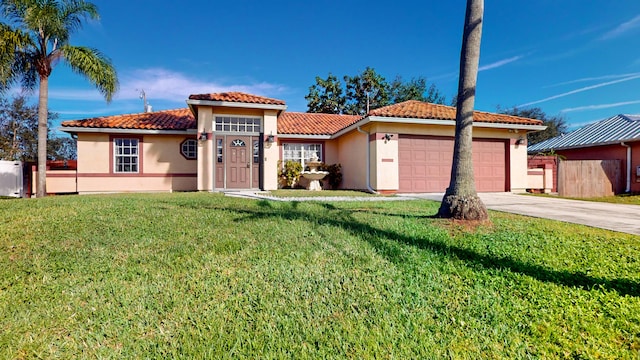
column 369, row 188
column 628, row 189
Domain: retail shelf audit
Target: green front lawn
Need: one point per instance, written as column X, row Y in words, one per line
column 629, row 199
column 323, row 193
column 193, row 275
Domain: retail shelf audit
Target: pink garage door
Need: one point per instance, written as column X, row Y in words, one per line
column 425, row 163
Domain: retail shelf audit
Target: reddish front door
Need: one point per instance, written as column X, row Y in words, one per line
column 238, row 162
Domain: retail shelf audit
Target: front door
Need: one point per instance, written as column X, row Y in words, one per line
column 239, row 161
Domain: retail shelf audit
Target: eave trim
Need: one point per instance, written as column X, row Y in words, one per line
column 71, row 130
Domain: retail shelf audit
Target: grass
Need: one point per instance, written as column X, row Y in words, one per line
column 197, row 275
column 629, row 199
column 324, row 193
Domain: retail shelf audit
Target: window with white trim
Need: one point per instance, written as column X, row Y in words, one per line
column 189, row 149
column 301, row 152
column 237, row 124
column 126, row 158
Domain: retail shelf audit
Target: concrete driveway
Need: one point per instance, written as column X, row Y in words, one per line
column 616, row 217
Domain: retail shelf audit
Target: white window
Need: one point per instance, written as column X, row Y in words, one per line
column 189, row 149
column 301, row 152
column 125, row 155
column 237, row 124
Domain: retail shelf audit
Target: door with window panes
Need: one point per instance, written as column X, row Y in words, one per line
column 237, row 161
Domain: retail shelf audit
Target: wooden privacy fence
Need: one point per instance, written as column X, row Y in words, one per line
column 589, row 178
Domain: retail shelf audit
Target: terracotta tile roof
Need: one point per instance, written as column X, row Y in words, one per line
column 314, row 124
column 292, row 122
column 422, row 110
column 178, row 119
column 237, row 97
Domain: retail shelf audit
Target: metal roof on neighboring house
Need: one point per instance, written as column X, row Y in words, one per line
column 616, row 129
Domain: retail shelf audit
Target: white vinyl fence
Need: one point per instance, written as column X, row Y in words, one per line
column 11, row 178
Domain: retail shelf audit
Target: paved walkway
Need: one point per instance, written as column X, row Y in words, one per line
column 616, row 217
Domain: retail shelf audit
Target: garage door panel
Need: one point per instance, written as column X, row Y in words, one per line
column 425, row 163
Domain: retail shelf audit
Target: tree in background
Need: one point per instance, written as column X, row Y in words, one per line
column 331, row 96
column 461, row 200
column 415, row 89
column 325, row 96
column 366, row 91
column 556, row 125
column 18, row 134
column 37, row 36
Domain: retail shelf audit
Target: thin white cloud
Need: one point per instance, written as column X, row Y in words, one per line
column 600, row 106
column 96, row 111
column 596, row 78
column 447, row 76
column 500, row 63
column 163, row 84
column 579, row 90
column 622, row 28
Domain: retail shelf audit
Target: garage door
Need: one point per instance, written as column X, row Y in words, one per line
column 425, row 163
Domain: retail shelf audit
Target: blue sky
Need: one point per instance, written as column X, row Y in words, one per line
column 577, row 58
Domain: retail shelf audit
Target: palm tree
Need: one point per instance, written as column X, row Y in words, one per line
column 34, row 39
column 461, row 200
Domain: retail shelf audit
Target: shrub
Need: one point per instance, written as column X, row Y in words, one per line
column 290, row 172
column 334, row 178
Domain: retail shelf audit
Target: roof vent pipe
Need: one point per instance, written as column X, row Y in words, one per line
column 628, row 189
column 143, row 96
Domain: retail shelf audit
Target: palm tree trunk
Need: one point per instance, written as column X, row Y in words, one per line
column 461, row 200
column 43, row 113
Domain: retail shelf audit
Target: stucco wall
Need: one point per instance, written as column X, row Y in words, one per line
column 271, row 152
column 163, row 168
column 353, row 157
column 384, row 167
column 93, row 153
column 331, row 152
column 518, row 168
column 206, row 149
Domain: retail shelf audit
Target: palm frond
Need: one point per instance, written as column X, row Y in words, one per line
column 15, row 47
column 73, row 12
column 91, row 64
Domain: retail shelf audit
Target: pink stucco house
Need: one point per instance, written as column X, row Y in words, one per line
column 231, row 141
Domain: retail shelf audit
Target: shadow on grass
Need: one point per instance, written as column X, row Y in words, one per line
column 342, row 218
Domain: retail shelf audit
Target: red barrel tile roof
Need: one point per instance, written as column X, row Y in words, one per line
column 422, row 110
column 292, row 122
column 314, row 124
column 237, row 97
column 178, row 119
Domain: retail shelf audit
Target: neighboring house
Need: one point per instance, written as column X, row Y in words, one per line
column 229, row 141
column 615, row 138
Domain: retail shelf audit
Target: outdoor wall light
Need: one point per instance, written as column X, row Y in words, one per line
column 520, row 141
column 203, row 136
column 388, row 136
column 271, row 139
